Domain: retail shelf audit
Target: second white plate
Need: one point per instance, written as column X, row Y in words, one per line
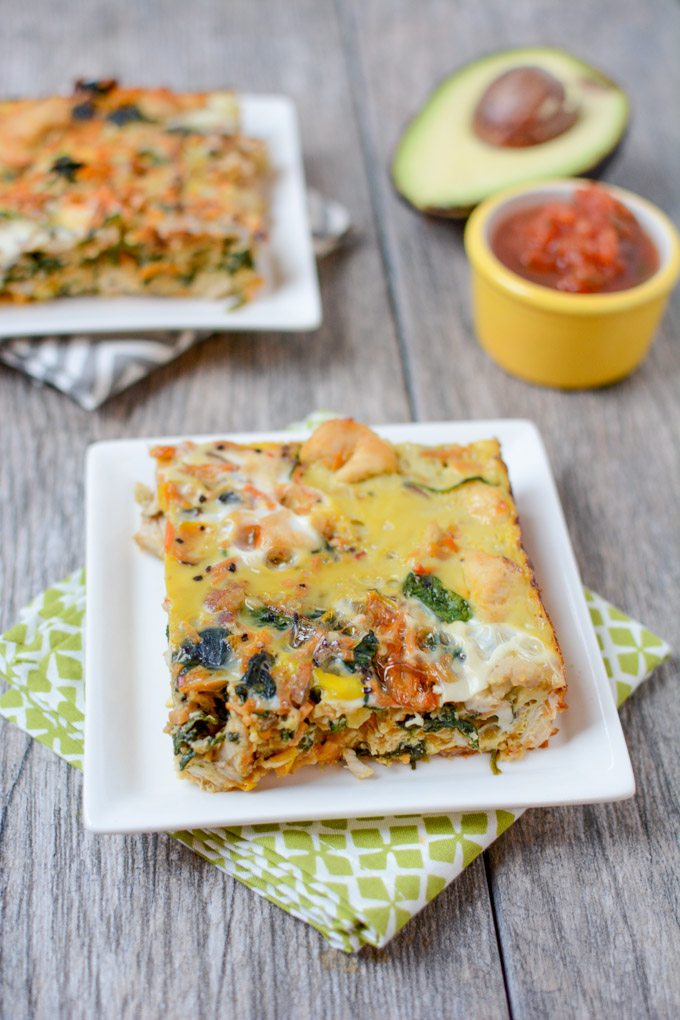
column 130, row 780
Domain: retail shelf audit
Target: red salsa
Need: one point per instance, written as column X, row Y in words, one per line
column 591, row 244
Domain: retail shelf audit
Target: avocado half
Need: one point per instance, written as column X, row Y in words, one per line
column 443, row 168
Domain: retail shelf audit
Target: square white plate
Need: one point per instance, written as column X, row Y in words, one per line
column 290, row 300
column 130, row 779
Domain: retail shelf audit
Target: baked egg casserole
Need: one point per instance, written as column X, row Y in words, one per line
column 348, row 600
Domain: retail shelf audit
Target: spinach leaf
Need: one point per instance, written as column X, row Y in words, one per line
column 153, row 158
column 185, row 759
column 212, row 649
column 447, row 719
column 267, row 616
column 363, row 652
column 66, row 167
column 45, row 263
column 128, row 113
column 235, row 260
column 307, row 739
column 414, row 751
column 449, row 488
column 83, row 111
column 229, row 496
column 257, row 678
column 197, row 727
column 447, row 605
column 97, row 88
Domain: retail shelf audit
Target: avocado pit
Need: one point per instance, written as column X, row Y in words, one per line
column 524, row 106
column 481, row 130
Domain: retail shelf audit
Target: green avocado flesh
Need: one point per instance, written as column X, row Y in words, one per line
column 442, row 167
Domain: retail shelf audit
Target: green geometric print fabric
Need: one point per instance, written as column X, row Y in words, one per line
column 357, row 881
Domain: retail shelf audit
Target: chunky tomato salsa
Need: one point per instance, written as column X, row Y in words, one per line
column 591, row 244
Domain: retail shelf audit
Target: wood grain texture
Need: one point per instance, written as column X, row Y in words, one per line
column 139, row 926
column 578, row 893
column 580, row 910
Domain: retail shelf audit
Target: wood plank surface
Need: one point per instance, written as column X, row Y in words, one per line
column 139, row 926
column 575, row 910
column 586, row 899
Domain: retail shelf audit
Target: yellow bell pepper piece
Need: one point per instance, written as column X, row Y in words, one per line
column 338, row 688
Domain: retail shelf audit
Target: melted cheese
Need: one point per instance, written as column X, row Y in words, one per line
column 483, row 647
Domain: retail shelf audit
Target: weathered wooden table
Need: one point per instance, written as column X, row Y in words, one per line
column 574, row 912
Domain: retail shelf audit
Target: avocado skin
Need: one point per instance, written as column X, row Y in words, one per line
column 595, row 170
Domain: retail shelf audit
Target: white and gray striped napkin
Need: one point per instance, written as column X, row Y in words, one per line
column 91, row 370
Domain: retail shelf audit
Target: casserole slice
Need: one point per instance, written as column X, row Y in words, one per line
column 129, row 191
column 346, row 599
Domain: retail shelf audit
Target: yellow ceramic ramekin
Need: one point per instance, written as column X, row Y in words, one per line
column 557, row 339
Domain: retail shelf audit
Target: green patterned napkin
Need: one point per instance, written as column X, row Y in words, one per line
column 357, row 882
